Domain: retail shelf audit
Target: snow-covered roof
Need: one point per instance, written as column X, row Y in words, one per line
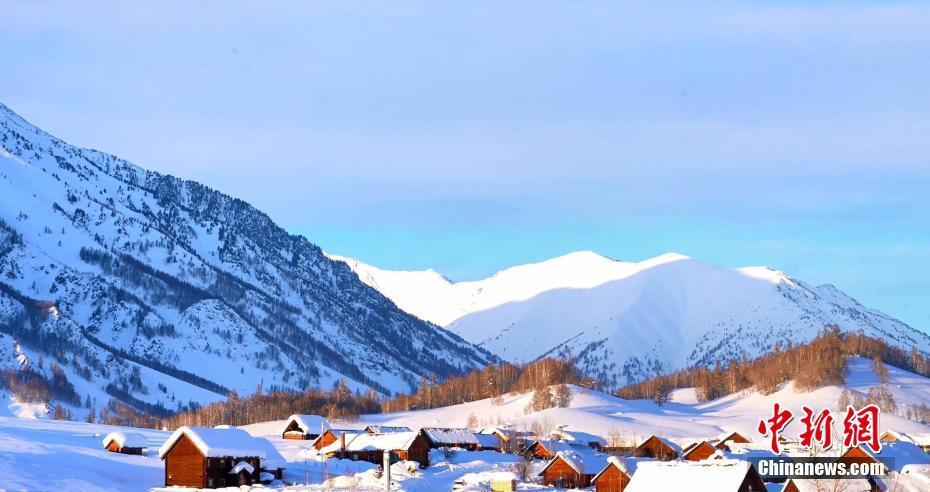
column 918, row 438
column 728, row 436
column 126, row 439
column 335, row 432
column 822, row 484
column 900, row 453
column 242, row 465
column 226, row 442
column 311, row 424
column 668, row 442
column 394, row 441
column 337, row 445
column 562, row 434
column 504, row 430
column 502, row 476
column 583, row 461
column 694, row 447
column 653, row 476
column 449, row 436
column 556, row 446
column 619, row 464
column 383, row 429
column 488, row 440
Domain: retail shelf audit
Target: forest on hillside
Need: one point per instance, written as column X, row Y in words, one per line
column 821, row 362
column 812, row 365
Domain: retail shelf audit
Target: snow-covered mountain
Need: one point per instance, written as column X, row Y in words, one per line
column 626, row 321
column 158, row 291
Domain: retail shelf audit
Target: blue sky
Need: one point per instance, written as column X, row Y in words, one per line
column 470, row 136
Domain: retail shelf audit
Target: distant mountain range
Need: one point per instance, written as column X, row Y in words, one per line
column 627, row 321
column 159, row 292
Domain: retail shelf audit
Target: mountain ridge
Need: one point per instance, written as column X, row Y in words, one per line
column 166, row 292
column 626, row 321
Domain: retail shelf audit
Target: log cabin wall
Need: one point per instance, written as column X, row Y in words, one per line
column 185, row 465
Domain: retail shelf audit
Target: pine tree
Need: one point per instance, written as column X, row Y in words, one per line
column 563, row 396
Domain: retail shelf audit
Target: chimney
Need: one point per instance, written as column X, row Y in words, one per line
column 342, row 443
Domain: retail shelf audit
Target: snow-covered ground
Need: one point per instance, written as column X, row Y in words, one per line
column 55, row 455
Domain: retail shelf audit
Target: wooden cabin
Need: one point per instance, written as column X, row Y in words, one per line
column 403, row 446
column 657, row 448
column 614, row 477
column 573, row 469
column 592, row 441
column 698, row 451
column 302, row 426
column 218, row 457
column 710, row 475
column 919, row 439
column 386, row 429
column 446, row 437
column 125, row 442
column 545, row 449
column 330, row 436
column 511, row 440
column 733, row 437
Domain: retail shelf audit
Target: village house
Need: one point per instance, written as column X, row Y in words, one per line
column 614, row 477
column 658, row 448
column 446, row 437
column 386, row 429
column 546, row 449
column 561, row 433
column 620, row 445
column 698, row 451
column 329, row 436
column 403, row 446
column 300, row 426
column 920, row 439
column 218, row 457
column 574, row 469
column 125, row 442
column 510, row 440
column 716, row 475
column 724, row 441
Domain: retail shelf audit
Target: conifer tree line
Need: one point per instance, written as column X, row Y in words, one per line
column 819, row 363
column 494, row 381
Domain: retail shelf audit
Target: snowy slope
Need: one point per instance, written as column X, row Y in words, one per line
column 603, row 414
column 157, row 291
column 58, row 455
column 626, row 321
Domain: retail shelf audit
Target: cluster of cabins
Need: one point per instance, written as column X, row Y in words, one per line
column 226, row 456
column 721, row 464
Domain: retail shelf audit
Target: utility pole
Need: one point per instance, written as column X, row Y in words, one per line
column 387, row 471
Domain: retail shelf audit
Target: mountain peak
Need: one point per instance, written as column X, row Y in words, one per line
column 172, row 292
column 626, row 321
